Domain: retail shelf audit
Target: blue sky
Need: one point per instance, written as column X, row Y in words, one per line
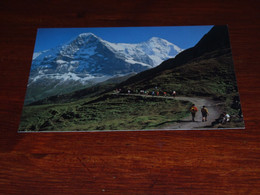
column 182, row 36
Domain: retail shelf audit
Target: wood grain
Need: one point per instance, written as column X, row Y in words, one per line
column 155, row 162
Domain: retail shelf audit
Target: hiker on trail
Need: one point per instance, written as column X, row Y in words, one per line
column 153, row 93
column 164, row 93
column 193, row 111
column 226, row 118
column 174, row 94
column 205, row 113
column 157, row 93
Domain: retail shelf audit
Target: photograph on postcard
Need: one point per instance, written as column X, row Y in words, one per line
column 132, row 78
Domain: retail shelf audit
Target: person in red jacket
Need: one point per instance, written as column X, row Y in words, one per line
column 193, row 111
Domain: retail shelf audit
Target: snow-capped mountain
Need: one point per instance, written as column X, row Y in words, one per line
column 88, row 56
column 90, row 59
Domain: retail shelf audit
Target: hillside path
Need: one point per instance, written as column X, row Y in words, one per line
column 214, row 108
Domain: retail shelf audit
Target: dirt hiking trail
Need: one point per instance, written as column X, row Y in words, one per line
column 214, row 108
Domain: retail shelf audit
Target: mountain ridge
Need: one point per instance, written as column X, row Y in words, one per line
column 87, row 51
column 87, row 59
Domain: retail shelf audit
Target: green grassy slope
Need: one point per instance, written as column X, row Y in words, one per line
column 108, row 112
column 210, row 75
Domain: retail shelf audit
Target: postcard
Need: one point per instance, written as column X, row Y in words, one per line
column 132, row 78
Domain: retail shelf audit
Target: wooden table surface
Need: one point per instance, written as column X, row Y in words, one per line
column 155, row 162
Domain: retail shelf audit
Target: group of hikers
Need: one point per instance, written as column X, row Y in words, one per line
column 224, row 117
column 145, row 92
column 204, row 113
